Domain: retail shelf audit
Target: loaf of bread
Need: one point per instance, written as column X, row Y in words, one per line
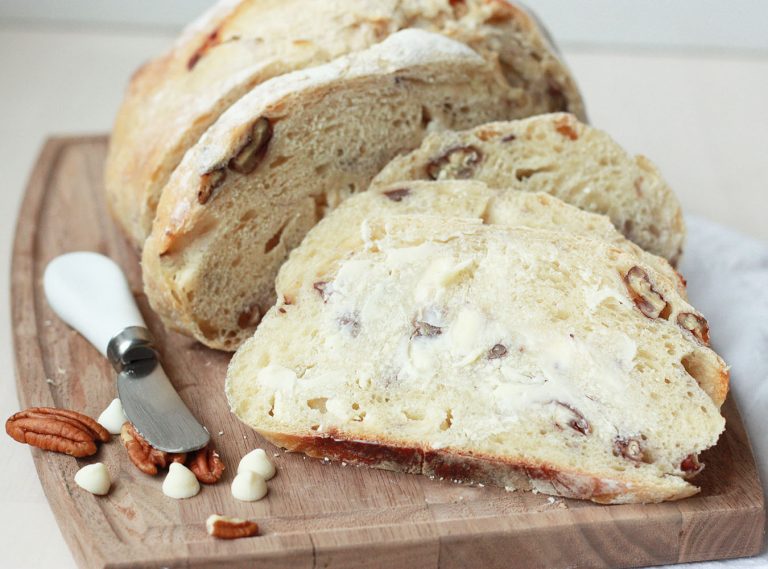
column 267, row 170
column 237, row 45
column 520, row 357
column 339, row 232
column 558, row 155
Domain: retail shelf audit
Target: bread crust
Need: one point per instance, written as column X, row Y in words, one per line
column 411, row 65
column 171, row 101
column 464, row 468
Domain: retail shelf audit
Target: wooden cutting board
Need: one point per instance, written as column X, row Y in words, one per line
column 316, row 515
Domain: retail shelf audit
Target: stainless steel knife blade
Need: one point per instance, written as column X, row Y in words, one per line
column 158, row 413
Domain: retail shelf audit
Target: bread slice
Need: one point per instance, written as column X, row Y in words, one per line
column 558, row 155
column 265, row 173
column 519, row 357
column 237, row 45
column 339, row 232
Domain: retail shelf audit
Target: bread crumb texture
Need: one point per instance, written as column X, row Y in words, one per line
column 519, row 357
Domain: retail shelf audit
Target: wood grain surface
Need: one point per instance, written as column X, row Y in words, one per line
column 316, row 514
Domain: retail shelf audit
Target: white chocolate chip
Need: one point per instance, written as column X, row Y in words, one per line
column 257, row 461
column 94, row 478
column 180, row 483
column 248, row 486
column 113, row 417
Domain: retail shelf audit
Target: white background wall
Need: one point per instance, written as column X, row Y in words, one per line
column 690, row 24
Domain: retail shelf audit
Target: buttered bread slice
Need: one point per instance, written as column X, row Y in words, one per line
column 519, row 357
column 563, row 157
column 339, row 233
column 267, row 170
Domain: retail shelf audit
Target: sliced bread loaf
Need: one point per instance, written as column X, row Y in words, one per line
column 339, row 234
column 519, row 357
column 558, row 155
column 263, row 175
column 237, row 45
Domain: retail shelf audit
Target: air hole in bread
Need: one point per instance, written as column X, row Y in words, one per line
column 275, row 239
column 271, row 412
column 448, row 421
column 315, row 427
column 426, row 117
column 355, row 405
column 695, row 366
column 318, row 404
column 525, row 173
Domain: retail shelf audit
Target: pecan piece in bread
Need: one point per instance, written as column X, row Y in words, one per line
column 576, row 419
column 647, row 299
column 695, row 324
column 322, row 288
column 425, row 329
column 397, row 195
column 458, row 163
column 565, row 126
column 251, row 153
column 691, row 466
column 496, row 352
column 630, row 448
column 209, row 182
column 57, row 430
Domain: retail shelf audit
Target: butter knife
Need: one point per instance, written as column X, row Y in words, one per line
column 90, row 293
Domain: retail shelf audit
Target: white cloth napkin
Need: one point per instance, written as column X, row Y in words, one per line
column 727, row 277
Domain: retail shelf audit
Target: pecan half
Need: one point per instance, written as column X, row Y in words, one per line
column 250, row 154
column 57, row 430
column 424, row 329
column 397, row 195
column 209, row 183
column 691, row 466
column 223, row 527
column 455, row 164
column 206, row 465
column 695, row 324
column 146, row 458
column 577, row 421
column 496, row 352
column 630, row 448
column 647, row 299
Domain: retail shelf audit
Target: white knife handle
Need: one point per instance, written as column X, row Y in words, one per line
column 89, row 292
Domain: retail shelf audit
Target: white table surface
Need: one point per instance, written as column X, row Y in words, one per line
column 702, row 117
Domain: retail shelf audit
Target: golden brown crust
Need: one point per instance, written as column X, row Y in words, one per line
column 473, row 468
